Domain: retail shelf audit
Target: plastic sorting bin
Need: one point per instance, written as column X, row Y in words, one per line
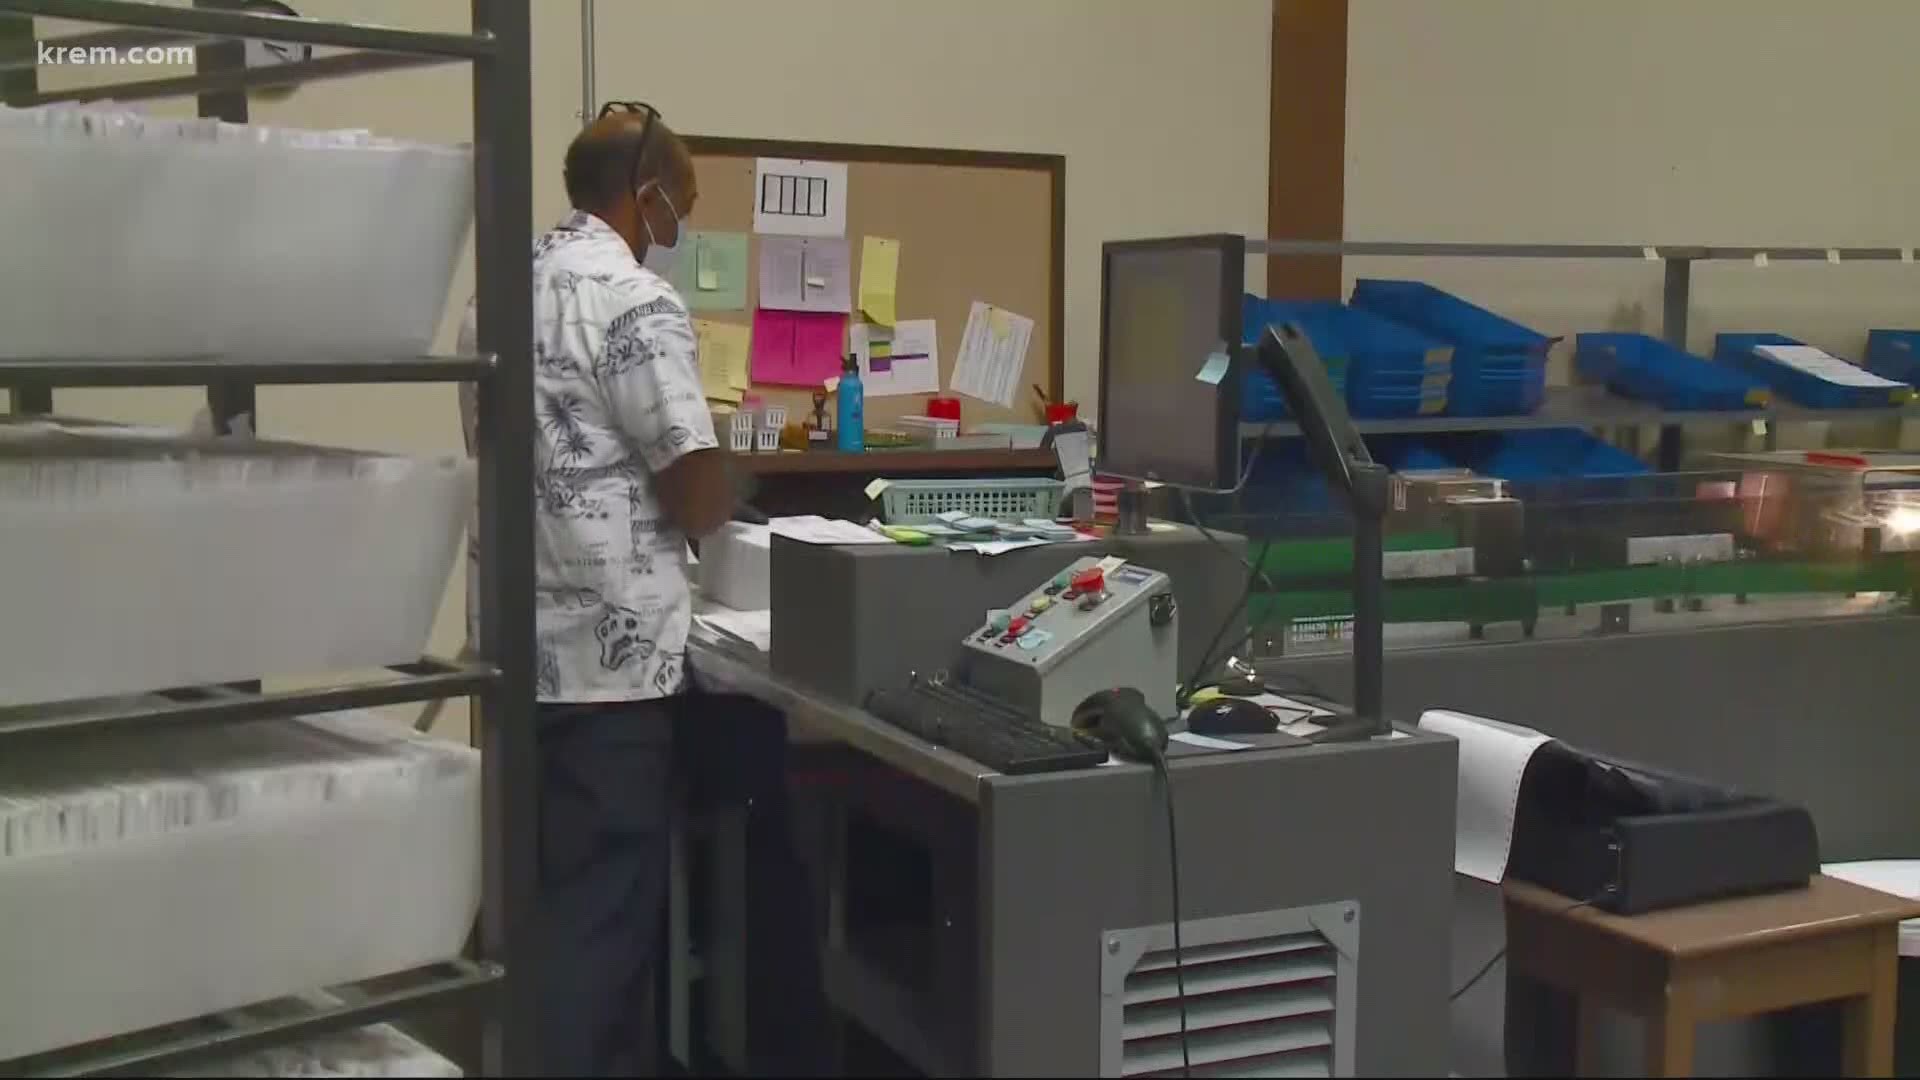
column 1853, row 389
column 1547, row 454
column 1499, row 367
column 1894, row 354
column 1648, row 369
column 1381, row 368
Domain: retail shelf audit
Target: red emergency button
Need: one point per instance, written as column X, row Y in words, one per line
column 1018, row 626
column 1090, row 581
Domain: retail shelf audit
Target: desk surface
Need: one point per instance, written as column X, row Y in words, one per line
column 1826, row 905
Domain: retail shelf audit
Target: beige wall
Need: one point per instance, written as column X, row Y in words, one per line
column 1742, row 122
column 1160, row 109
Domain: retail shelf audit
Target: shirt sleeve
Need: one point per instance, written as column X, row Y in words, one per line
column 648, row 370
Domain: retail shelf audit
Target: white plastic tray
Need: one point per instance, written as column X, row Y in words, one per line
column 141, row 236
column 107, row 940
column 194, row 575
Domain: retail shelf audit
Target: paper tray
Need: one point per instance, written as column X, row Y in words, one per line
column 231, row 562
column 110, row 940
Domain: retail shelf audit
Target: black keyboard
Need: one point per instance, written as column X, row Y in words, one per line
column 983, row 728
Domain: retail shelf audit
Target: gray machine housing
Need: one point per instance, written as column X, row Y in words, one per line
column 1074, row 645
column 849, row 619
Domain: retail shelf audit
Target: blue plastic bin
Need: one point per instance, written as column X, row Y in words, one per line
column 1498, row 366
column 1548, row 454
column 1739, row 350
column 1648, row 369
column 1383, row 369
column 1894, row 354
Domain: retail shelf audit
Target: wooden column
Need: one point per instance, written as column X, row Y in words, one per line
column 1307, row 154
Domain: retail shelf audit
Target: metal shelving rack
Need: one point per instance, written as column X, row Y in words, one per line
column 502, row 679
column 1592, row 406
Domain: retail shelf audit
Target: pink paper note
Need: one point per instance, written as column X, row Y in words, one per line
column 797, row 348
column 772, row 349
column 819, row 346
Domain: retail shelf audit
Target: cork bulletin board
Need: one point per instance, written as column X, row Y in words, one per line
column 972, row 226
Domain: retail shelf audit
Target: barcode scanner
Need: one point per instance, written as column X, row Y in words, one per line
column 1121, row 720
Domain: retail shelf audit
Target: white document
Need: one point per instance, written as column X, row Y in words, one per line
column 995, row 547
column 1825, row 365
column 814, row 529
column 993, row 352
column 755, row 628
column 913, row 363
column 1205, row 742
column 1074, row 449
column 1493, row 759
column 799, row 273
column 799, row 198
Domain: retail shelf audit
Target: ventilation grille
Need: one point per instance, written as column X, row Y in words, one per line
column 1255, row 1007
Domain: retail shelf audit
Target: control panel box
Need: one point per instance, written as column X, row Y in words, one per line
column 1098, row 624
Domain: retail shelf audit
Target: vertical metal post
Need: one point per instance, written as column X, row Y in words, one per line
column 1371, row 487
column 227, row 399
column 1676, row 298
column 589, row 96
column 20, row 84
column 503, row 190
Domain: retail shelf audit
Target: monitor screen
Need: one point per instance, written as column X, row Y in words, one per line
column 1169, row 411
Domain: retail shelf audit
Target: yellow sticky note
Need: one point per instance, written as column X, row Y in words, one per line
column 724, row 375
column 706, row 275
column 879, row 278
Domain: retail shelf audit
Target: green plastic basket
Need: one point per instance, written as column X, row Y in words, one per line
column 913, row 502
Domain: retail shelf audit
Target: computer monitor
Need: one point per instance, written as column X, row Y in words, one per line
column 1170, row 360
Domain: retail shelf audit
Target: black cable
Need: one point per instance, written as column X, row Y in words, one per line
column 1173, row 863
column 1501, row 954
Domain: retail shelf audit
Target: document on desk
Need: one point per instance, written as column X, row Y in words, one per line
column 993, row 351
column 814, row 529
column 799, row 273
column 1493, row 759
column 754, row 628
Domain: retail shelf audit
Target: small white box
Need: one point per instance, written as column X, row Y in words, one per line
column 741, row 440
column 742, row 421
column 773, row 417
column 769, row 440
column 733, row 566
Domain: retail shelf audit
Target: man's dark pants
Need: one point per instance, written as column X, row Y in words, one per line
column 608, row 780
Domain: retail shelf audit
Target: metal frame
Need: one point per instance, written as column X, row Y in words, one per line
column 502, row 678
column 1590, row 407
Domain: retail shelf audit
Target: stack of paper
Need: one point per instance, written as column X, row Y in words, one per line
column 1824, row 365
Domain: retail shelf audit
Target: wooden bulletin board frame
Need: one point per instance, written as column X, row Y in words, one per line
column 715, row 157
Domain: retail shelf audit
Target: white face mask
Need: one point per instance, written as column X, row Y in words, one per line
column 660, row 258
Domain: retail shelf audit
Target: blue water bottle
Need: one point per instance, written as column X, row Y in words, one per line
column 851, row 418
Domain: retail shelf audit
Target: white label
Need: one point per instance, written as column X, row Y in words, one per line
column 1760, row 259
column 1111, row 563
column 1650, row 254
column 1906, row 254
column 1437, row 563
column 1833, row 256
column 1703, row 547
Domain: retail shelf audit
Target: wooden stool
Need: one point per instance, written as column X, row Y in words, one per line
column 1715, row 961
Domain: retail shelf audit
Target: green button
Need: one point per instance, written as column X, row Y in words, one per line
column 1062, row 580
column 998, row 619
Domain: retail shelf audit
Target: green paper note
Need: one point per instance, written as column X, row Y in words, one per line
column 711, row 274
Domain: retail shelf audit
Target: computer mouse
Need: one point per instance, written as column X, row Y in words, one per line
column 1231, row 716
column 1122, row 721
